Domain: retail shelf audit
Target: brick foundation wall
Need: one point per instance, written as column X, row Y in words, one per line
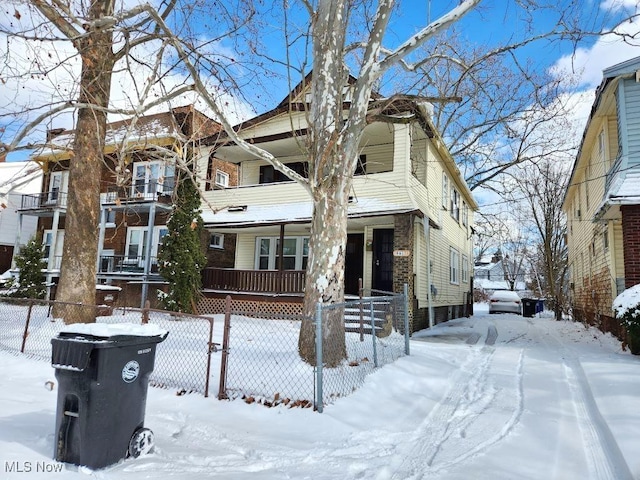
column 631, row 243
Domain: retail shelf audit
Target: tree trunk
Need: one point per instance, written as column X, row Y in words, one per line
column 325, row 274
column 78, row 268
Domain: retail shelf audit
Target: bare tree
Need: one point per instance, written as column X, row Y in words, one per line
column 105, row 41
column 543, row 188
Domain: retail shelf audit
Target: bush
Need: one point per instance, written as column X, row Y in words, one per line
column 31, row 280
column 627, row 308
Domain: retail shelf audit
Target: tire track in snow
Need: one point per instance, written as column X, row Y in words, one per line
column 472, row 394
column 604, row 458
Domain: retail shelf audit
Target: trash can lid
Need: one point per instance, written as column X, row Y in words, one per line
column 104, row 335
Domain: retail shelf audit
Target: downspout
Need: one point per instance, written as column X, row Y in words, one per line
column 427, row 237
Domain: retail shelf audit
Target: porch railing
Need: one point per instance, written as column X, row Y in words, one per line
column 35, row 201
column 255, row 281
column 139, row 191
column 125, row 264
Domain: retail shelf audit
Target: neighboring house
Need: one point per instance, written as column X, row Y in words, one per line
column 492, row 275
column 136, row 195
column 410, row 210
column 602, row 201
column 16, row 179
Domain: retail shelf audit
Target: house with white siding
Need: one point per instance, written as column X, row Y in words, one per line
column 16, row 179
column 409, row 218
column 602, row 201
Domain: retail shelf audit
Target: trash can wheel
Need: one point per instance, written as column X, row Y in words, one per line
column 141, row 442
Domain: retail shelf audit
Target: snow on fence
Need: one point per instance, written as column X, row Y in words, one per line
column 249, row 355
column 183, row 360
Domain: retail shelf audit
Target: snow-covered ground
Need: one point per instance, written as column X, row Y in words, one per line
column 490, row 397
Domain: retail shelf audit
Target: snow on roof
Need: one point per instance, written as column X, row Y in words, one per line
column 160, row 126
column 627, row 300
column 484, row 284
column 630, row 186
column 293, row 212
column 112, row 330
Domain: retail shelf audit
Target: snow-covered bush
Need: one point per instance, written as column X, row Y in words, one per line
column 31, row 281
column 627, row 308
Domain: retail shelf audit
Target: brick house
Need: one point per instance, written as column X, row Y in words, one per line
column 136, row 196
column 409, row 219
column 602, row 201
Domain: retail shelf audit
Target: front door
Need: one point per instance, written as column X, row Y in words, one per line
column 353, row 263
column 382, row 260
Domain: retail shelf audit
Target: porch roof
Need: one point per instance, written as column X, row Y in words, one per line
column 245, row 216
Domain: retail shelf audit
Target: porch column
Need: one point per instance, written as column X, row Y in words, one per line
column 403, row 265
column 52, row 250
column 103, row 221
column 16, row 246
column 281, row 258
column 147, row 258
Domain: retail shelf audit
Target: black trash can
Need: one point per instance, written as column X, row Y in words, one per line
column 529, row 307
column 103, row 374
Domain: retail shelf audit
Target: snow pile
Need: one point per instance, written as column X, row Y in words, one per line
column 627, row 301
column 112, row 330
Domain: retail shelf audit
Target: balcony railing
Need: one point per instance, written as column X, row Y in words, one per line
column 255, row 281
column 36, row 201
column 125, row 264
column 140, row 191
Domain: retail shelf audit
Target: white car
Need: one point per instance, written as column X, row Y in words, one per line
column 505, row 301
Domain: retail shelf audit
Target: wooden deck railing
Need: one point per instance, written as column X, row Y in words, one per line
column 258, row 281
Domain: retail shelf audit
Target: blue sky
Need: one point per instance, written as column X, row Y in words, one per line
column 491, row 23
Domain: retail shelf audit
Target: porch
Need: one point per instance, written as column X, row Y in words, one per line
column 254, row 281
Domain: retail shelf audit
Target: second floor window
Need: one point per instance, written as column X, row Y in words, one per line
column 455, row 204
column 268, row 174
column 150, row 178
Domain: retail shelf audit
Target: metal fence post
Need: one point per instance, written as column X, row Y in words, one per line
column 222, row 389
column 26, row 327
column 405, row 294
column 373, row 334
column 319, row 401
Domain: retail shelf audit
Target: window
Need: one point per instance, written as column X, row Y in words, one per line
column 295, row 253
column 222, row 178
column 150, row 178
column 216, row 240
column 601, row 142
column 465, row 269
column 465, row 214
column 454, row 260
column 445, row 190
column 361, row 167
column 268, row 174
column 454, row 205
column 136, row 248
column 605, row 239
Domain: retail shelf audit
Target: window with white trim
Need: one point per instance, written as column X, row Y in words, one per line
column 295, row 253
column 136, row 247
column 216, row 240
column 150, row 178
column 465, row 269
column 222, row 178
column 465, row 213
column 445, row 190
column 454, row 266
column 454, row 206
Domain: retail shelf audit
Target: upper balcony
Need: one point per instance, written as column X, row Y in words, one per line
column 43, row 204
column 159, row 190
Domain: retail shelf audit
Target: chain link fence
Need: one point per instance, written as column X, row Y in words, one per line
column 183, row 360
column 255, row 356
column 261, row 363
